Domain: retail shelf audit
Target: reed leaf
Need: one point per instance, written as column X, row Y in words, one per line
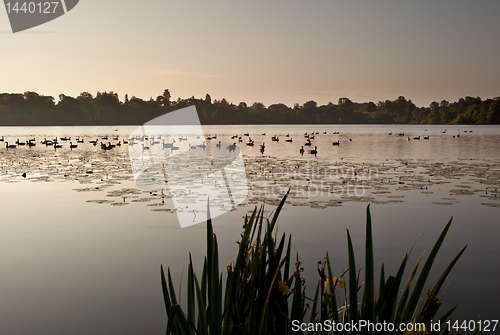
column 382, row 279
column 331, row 285
column 406, row 289
column 353, row 283
column 173, row 298
column 254, row 297
column 419, row 285
column 278, row 210
column 297, row 302
column 443, row 319
column 440, row 283
column 176, row 321
column 164, row 289
column 202, row 315
column 191, row 316
column 369, row 294
column 286, row 273
column 389, row 299
column 215, row 304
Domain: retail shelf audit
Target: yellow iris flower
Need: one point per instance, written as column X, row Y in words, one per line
column 284, row 289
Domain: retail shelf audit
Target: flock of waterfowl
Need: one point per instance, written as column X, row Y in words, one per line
column 57, row 143
column 105, row 142
column 427, row 137
column 91, row 161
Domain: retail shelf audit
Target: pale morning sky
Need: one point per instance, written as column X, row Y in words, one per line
column 267, row 51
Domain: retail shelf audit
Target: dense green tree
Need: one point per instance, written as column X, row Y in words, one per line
column 345, row 110
column 494, row 111
column 434, row 116
column 370, row 107
column 31, row 108
column 279, row 112
column 257, row 113
column 419, row 115
column 310, row 105
column 85, row 97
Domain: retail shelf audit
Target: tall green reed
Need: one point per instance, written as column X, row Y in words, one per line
column 263, row 292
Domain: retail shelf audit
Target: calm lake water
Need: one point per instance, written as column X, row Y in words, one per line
column 81, row 245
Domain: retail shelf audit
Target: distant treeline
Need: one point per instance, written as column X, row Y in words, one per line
column 33, row 109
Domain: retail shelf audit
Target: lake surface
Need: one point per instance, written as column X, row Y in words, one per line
column 81, row 244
